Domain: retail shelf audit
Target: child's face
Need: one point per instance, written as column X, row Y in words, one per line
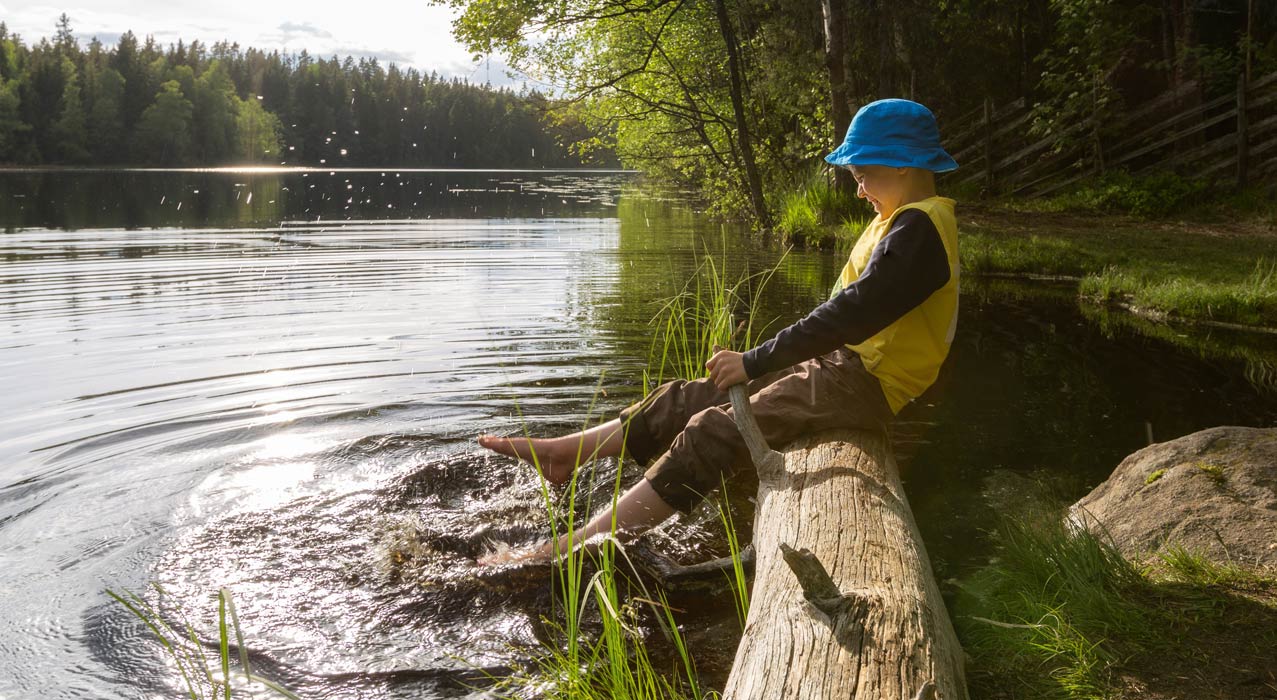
column 882, row 185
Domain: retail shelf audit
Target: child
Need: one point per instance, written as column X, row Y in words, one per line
column 853, row 362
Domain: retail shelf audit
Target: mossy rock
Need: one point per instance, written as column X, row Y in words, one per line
column 1213, row 492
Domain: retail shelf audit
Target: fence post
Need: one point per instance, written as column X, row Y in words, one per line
column 988, row 143
column 1242, row 127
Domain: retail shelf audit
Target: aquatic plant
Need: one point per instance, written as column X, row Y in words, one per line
column 609, row 658
column 185, row 647
column 709, row 312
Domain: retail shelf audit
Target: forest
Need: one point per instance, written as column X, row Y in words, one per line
column 739, row 98
column 138, row 103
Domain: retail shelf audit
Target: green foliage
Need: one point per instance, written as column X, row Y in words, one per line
column 216, row 113
column 1153, row 195
column 808, row 210
column 1041, row 613
column 1214, row 471
column 70, row 132
column 1157, row 268
column 256, row 132
column 12, row 128
column 737, row 579
column 1093, row 38
column 106, row 118
column 816, row 214
column 163, row 135
column 1157, row 474
column 980, row 253
column 1178, row 564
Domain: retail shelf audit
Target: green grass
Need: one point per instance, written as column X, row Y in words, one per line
column 1152, row 195
column 184, row 647
column 1177, row 564
column 1247, row 300
column 597, row 647
column 815, row 214
column 1060, row 613
column 1178, row 271
column 710, row 311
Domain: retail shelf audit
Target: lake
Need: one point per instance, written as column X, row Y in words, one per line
column 266, row 380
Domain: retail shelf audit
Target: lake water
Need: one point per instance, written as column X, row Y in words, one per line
column 266, row 381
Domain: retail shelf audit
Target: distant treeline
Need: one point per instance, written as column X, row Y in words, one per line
column 191, row 104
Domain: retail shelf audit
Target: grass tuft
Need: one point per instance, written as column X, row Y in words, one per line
column 816, row 214
column 185, row 648
column 1060, row 613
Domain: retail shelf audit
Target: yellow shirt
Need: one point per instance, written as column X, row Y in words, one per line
column 906, row 355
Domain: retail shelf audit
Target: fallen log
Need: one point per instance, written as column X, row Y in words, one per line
column 844, row 603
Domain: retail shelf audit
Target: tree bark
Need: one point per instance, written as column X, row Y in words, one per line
column 844, row 604
column 836, row 64
column 752, row 177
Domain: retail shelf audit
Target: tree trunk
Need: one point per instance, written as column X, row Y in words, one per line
column 752, row 177
column 836, row 64
column 875, row 625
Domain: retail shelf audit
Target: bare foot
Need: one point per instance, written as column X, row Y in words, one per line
column 555, row 463
column 510, row 555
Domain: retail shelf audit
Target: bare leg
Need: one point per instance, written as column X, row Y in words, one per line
column 559, row 457
column 636, row 510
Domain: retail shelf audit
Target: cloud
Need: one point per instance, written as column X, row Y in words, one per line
column 408, row 33
column 383, row 56
column 291, row 29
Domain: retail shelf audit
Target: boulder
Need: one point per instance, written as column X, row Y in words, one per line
column 1213, row 492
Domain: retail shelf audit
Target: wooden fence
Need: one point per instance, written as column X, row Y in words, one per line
column 1232, row 136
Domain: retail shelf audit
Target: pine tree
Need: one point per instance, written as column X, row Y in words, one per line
column 106, row 117
column 70, row 133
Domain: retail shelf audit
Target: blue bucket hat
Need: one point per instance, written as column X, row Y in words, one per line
column 896, row 133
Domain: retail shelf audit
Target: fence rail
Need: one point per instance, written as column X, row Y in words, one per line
column 1232, row 135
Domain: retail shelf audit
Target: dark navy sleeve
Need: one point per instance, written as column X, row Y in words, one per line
column 906, row 267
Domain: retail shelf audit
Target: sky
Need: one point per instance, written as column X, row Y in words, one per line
column 411, row 33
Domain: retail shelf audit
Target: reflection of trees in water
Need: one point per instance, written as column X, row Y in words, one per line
column 1253, row 349
column 194, row 199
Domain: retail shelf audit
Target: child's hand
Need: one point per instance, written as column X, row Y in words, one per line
column 726, row 369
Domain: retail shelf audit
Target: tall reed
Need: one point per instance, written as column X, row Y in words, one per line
column 702, row 316
column 186, row 650
column 609, row 659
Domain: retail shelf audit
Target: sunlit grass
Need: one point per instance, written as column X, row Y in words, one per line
column 608, row 656
column 1158, row 270
column 1061, row 613
column 185, row 648
column 1250, row 300
column 816, row 214
column 710, row 311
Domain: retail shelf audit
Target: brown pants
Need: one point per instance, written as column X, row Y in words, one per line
column 692, row 423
